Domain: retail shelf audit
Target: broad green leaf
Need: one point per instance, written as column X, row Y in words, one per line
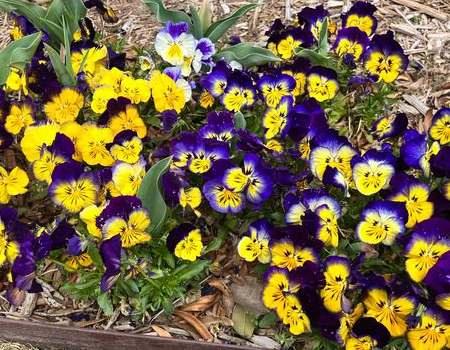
column 248, row 55
column 150, row 193
column 105, row 304
column 196, row 23
column 213, row 246
column 268, row 320
column 64, row 77
column 95, row 256
column 67, row 40
column 239, row 121
column 243, row 322
column 34, row 13
column 313, row 56
column 163, row 15
column 219, row 28
column 17, row 54
column 205, row 14
column 323, row 38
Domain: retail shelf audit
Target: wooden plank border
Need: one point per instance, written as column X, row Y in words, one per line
column 48, row 336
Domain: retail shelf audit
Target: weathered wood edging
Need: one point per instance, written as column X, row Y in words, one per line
column 49, row 336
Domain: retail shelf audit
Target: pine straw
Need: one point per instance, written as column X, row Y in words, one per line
column 4, row 345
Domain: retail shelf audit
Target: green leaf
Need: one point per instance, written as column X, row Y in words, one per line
column 150, row 193
column 95, row 256
column 323, row 38
column 192, row 270
column 213, row 246
column 64, row 77
column 239, row 121
column 248, row 55
column 313, row 56
column 17, row 54
column 243, row 322
column 34, row 13
column 205, row 14
column 268, row 320
column 105, row 304
column 197, row 23
column 70, row 12
column 167, row 306
column 67, row 40
column 219, row 28
column 163, row 15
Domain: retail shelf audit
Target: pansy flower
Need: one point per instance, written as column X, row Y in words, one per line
column 438, row 281
column 35, row 137
column 294, row 316
column 322, row 83
column 136, row 90
column 428, row 243
column 73, row 130
column 363, row 85
column 175, row 74
column 21, row 26
column 76, row 256
column 381, row 222
column 346, row 323
column 220, row 126
column 414, row 194
column 223, row 199
column 192, row 198
column 274, row 88
column 89, row 60
column 389, row 309
column 256, row 244
column 174, row 44
column 60, row 151
column 254, row 179
column 216, row 81
column 351, row 41
column 89, row 216
column 367, row 333
column 202, row 56
column 285, row 43
column 127, row 177
column 337, row 272
column 327, row 229
column 361, row 16
column 65, row 105
column 278, row 285
column 124, row 116
column 182, row 148
column 390, row 126
column 314, row 19
column 17, row 81
column 310, row 200
column 330, row 150
column 239, row 92
column 205, row 154
column 12, row 183
column 126, row 147
column 106, row 12
column 415, row 151
column 276, row 121
column 20, row 116
column 385, row 57
column 102, row 95
column 299, row 71
column 6, row 139
column 92, row 144
column 373, row 171
column 110, row 252
column 290, row 253
column 72, row 187
column 440, row 126
column 431, row 332
column 9, row 245
column 124, row 216
column 166, row 94
column 185, row 241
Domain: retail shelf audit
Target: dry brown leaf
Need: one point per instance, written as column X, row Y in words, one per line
column 427, row 120
column 201, row 304
column 248, row 295
column 195, row 322
column 220, row 284
column 161, row 331
column 82, row 324
column 221, row 320
column 227, row 305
